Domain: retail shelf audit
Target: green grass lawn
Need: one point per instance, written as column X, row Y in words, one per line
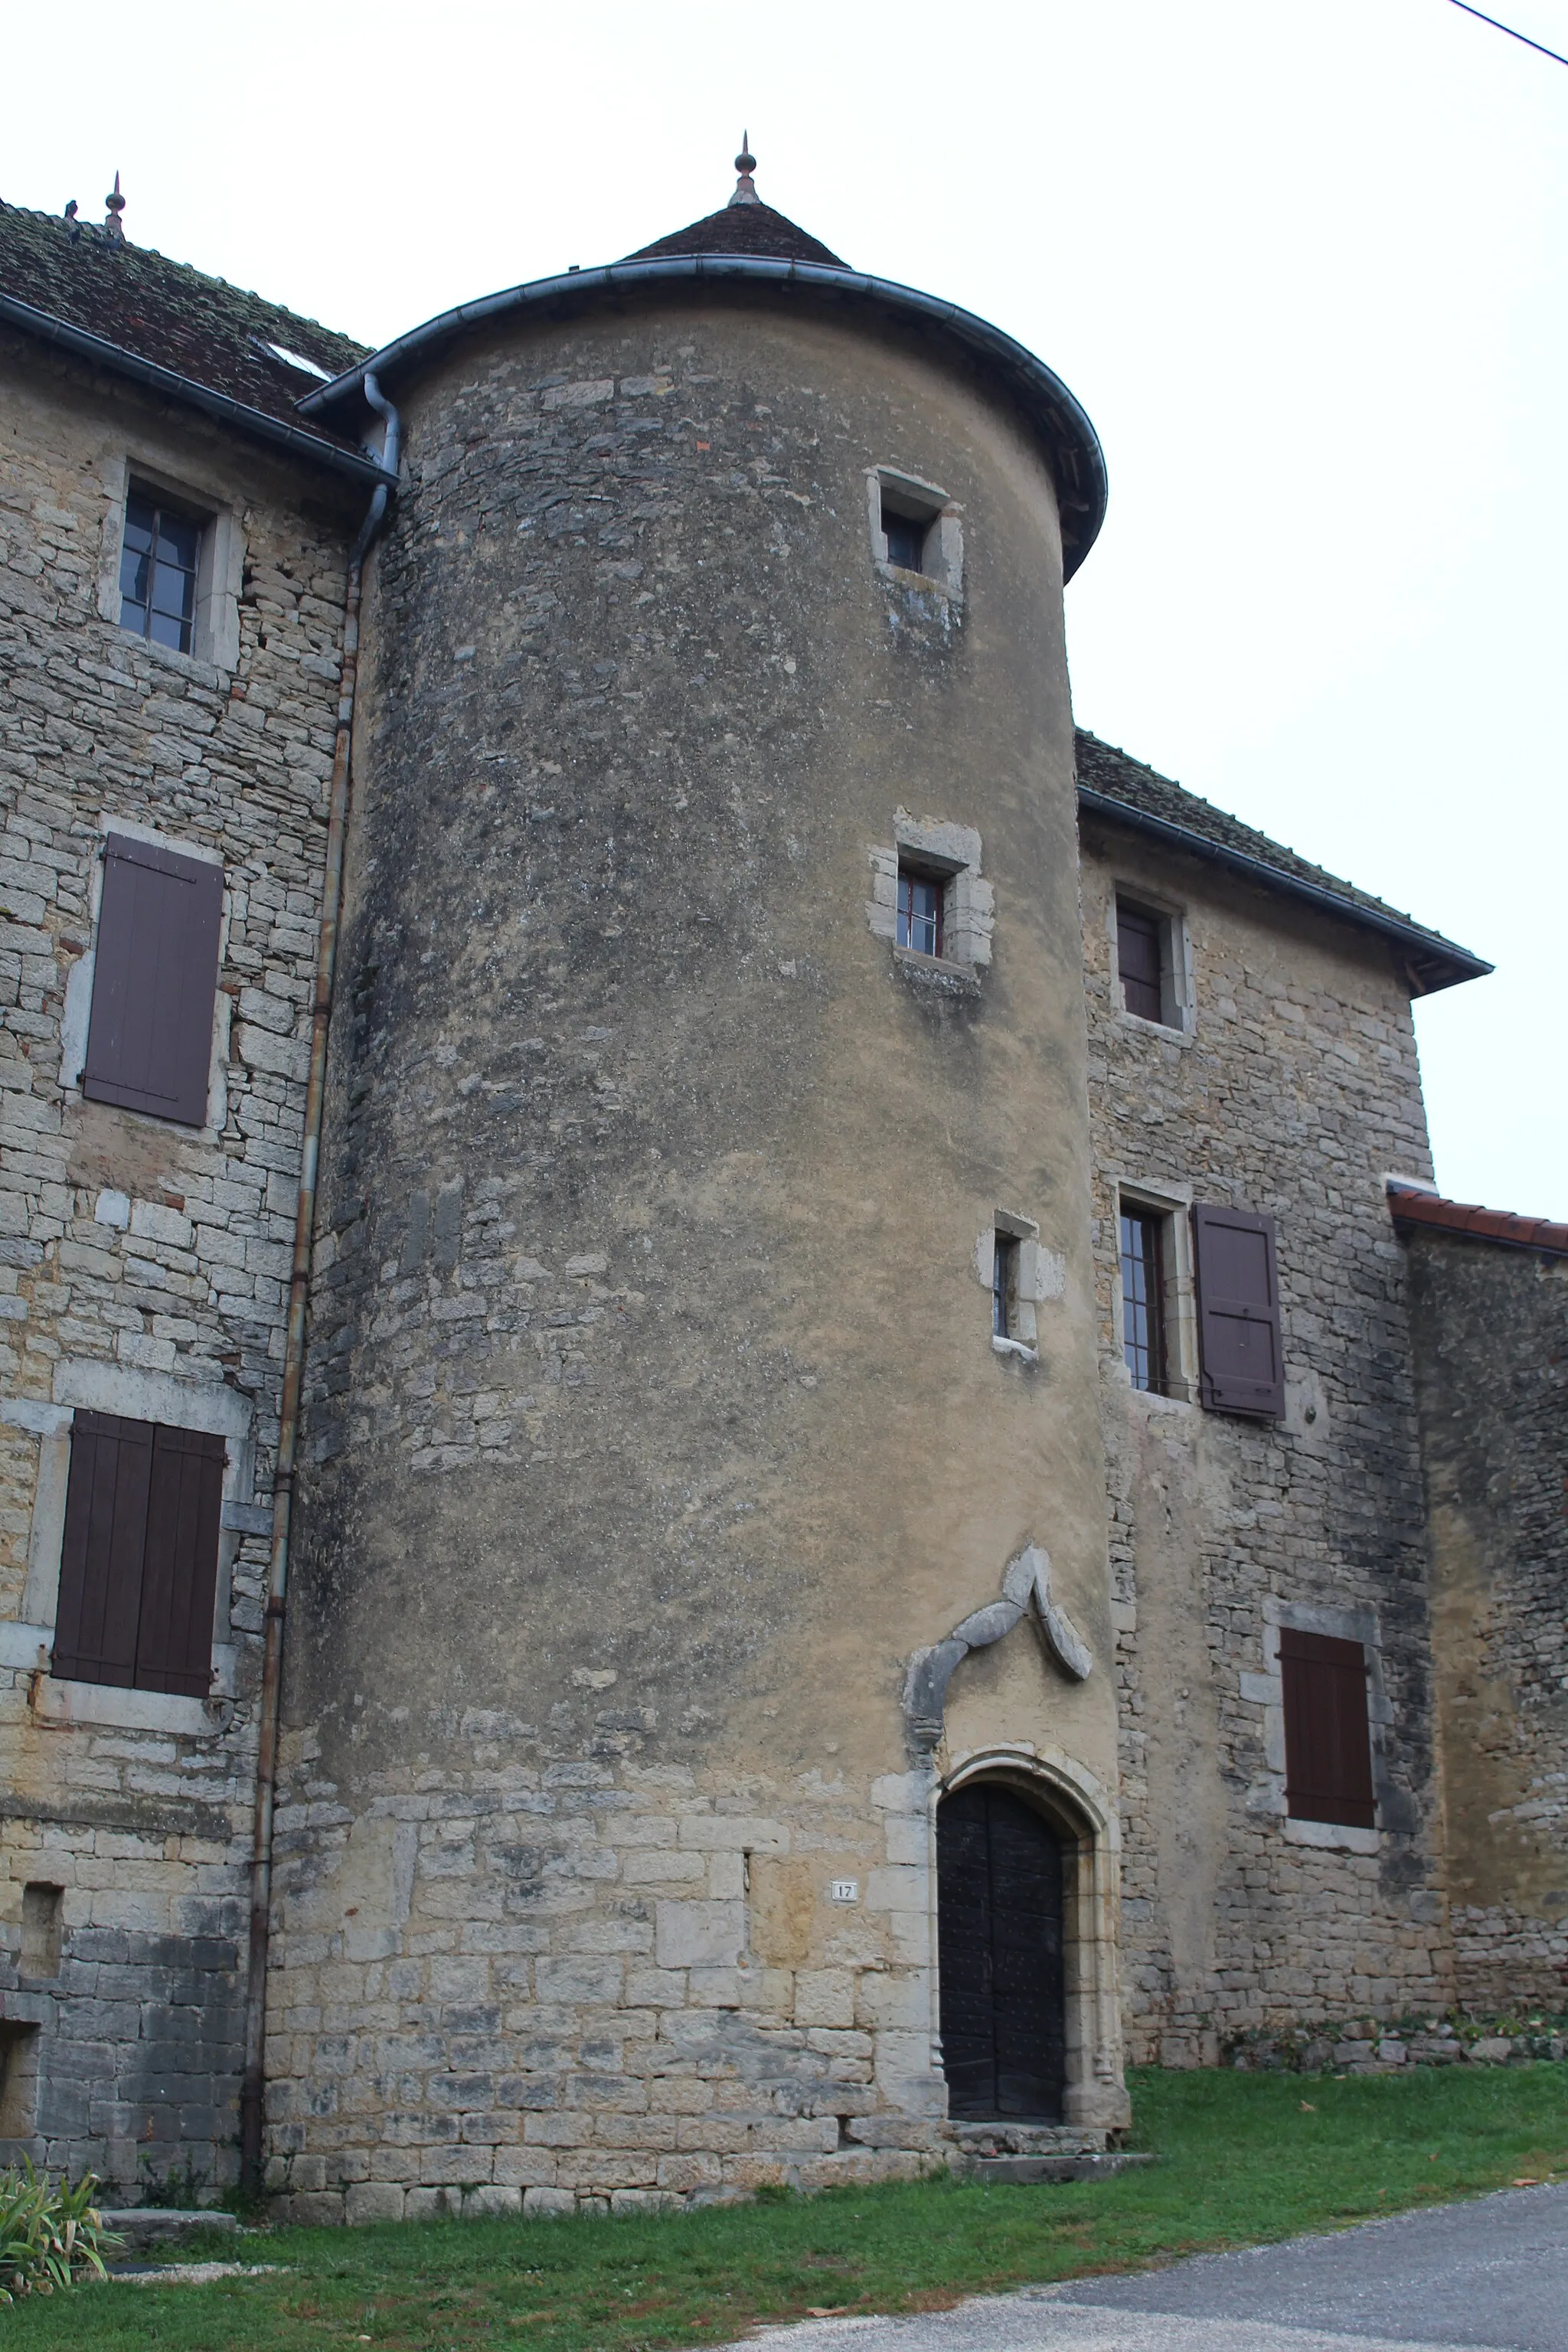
column 1243, row 2157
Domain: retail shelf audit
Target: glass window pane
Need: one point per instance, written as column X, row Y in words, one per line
column 173, row 591
column 133, row 570
column 177, row 538
column 168, row 629
column 139, row 522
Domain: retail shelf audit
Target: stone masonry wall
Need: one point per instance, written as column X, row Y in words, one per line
column 1491, row 1356
column 143, row 1266
column 1293, row 1094
column 654, row 1417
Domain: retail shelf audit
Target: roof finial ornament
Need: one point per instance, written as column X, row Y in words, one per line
column 745, row 163
column 113, row 228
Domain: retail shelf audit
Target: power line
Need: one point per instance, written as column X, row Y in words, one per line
column 1497, row 23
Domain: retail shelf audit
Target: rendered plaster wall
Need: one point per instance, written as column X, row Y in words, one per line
column 1491, row 1356
column 1294, row 1092
column 654, row 1419
column 143, row 1266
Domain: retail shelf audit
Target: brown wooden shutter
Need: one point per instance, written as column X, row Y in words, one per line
column 102, row 1555
column 1328, row 1744
column 1238, row 1313
column 149, row 1042
column 179, row 1581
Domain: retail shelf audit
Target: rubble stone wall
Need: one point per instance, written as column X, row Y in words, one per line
column 1294, row 1091
column 143, row 1266
column 654, row 1417
column 1491, row 1354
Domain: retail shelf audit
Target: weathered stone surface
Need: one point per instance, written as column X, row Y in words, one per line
column 133, row 1245
column 1491, row 1356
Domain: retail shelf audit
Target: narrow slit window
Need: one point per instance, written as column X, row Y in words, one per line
column 906, row 538
column 921, row 922
column 1140, row 945
column 1142, row 1300
column 1004, row 1287
column 158, row 563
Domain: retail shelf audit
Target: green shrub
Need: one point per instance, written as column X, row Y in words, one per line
column 50, row 2234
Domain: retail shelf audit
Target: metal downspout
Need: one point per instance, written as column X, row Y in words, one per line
column 253, row 2091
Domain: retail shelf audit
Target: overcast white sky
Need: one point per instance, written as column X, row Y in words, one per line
column 1303, row 264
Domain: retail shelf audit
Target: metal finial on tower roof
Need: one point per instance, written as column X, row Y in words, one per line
column 745, row 163
column 113, row 224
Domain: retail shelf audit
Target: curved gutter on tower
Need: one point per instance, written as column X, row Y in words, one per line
column 1072, row 445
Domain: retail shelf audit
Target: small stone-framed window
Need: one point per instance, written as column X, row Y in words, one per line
column 928, row 898
column 1323, row 1677
column 172, row 567
column 916, row 532
column 145, row 1024
column 1150, row 961
column 1020, row 1274
column 160, row 560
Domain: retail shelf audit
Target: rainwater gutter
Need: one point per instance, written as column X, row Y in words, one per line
column 1434, row 961
column 299, row 441
column 253, row 2091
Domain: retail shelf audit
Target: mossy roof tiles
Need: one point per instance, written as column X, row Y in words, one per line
column 165, row 312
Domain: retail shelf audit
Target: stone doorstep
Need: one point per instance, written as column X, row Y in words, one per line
column 1020, row 2170
column 142, row 2226
column 1000, row 2138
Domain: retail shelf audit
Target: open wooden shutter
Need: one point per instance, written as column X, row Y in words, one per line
column 149, row 1042
column 1238, row 1313
column 102, row 1556
column 1328, row 1744
column 179, row 1581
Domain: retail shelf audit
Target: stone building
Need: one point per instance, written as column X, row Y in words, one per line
column 848, row 1513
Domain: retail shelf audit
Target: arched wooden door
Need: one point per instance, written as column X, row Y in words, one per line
column 999, row 1936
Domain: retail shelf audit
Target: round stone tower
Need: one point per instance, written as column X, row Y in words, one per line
column 697, row 1695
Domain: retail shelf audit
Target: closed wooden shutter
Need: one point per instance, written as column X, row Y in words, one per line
column 149, row 1044
column 1328, row 1744
column 1138, row 960
column 139, row 1562
column 101, row 1560
column 1238, row 1313
column 184, row 1504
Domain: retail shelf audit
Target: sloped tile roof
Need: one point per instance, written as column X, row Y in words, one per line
column 198, row 328
column 1412, row 1209
column 1112, row 785
column 753, row 228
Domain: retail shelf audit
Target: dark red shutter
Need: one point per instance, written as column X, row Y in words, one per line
column 149, row 1042
column 102, row 1555
column 179, row 1582
column 1328, row 1744
column 1138, row 960
column 1238, row 1313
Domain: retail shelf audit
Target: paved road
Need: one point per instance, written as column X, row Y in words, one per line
column 1491, row 2274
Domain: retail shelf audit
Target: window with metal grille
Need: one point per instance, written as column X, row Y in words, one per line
column 1144, row 1299
column 1327, row 1741
column 139, row 1560
column 1141, row 941
column 921, row 918
column 906, row 537
column 159, row 558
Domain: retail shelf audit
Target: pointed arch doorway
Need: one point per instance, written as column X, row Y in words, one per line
column 1000, row 1941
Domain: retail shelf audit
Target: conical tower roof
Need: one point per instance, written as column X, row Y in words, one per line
column 745, row 224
